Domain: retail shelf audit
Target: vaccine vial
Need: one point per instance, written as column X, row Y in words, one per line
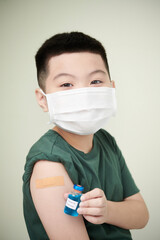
column 73, row 201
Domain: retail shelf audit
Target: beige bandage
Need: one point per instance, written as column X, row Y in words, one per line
column 50, row 182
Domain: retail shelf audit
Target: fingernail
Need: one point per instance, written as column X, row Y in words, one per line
column 65, row 195
column 81, row 204
column 79, row 210
column 82, row 198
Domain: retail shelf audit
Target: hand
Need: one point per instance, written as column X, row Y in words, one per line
column 93, row 206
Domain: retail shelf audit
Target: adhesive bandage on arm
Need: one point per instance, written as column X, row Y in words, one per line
column 50, row 182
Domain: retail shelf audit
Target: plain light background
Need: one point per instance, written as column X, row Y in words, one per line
column 130, row 32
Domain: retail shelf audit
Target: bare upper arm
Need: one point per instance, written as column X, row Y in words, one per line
column 49, row 203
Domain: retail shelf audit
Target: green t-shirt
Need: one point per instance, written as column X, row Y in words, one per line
column 103, row 167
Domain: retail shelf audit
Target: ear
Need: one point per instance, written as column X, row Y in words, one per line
column 113, row 84
column 41, row 99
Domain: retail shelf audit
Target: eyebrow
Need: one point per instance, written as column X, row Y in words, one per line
column 71, row 75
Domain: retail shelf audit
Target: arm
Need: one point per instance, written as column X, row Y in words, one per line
column 131, row 213
column 49, row 203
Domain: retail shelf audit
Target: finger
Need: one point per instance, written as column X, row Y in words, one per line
column 66, row 196
column 95, row 193
column 95, row 202
column 94, row 219
column 90, row 211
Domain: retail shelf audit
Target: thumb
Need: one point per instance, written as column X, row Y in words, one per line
column 66, row 196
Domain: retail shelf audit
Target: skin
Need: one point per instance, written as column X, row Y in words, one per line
column 70, row 71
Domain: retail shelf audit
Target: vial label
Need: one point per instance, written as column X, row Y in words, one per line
column 71, row 204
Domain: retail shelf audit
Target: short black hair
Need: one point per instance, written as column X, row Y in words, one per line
column 66, row 43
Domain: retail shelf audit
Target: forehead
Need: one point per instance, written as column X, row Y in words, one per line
column 83, row 61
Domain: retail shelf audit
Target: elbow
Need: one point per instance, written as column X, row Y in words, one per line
column 141, row 218
column 144, row 220
column 144, row 216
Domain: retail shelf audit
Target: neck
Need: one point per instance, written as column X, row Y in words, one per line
column 83, row 143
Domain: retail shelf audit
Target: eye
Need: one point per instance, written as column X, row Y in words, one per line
column 66, row 85
column 96, row 82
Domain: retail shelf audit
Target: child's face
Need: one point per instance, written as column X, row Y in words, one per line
column 76, row 70
column 73, row 70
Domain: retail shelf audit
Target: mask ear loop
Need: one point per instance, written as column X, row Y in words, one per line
column 48, row 111
column 111, row 81
column 42, row 92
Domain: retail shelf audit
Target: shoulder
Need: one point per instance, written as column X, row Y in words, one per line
column 44, row 144
column 103, row 132
column 110, row 145
column 48, row 148
column 105, row 138
column 53, row 149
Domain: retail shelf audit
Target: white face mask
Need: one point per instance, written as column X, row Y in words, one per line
column 82, row 111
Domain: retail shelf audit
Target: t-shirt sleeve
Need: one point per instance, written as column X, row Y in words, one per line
column 129, row 186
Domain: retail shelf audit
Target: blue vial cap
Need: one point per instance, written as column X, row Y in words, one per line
column 78, row 188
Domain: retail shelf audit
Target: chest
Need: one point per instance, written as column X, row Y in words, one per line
column 102, row 171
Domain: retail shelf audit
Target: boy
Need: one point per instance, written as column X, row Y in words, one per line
column 75, row 87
